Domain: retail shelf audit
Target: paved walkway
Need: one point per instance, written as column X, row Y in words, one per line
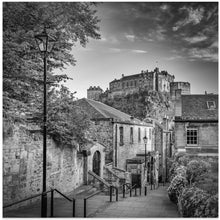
column 155, row 204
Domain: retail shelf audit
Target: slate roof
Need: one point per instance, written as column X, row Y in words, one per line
column 98, row 110
column 194, row 107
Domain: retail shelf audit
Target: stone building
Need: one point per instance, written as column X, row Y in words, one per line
column 153, row 80
column 184, row 88
column 196, row 124
column 121, row 134
column 94, row 92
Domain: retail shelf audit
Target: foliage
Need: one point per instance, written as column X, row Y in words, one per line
column 68, row 22
column 66, row 120
column 175, row 188
column 195, row 202
column 142, row 104
column 194, row 185
column 195, row 170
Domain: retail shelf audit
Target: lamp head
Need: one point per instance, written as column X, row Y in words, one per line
column 44, row 41
column 145, row 139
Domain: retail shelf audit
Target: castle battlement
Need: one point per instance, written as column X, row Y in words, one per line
column 156, row 80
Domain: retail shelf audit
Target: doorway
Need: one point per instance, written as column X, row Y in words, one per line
column 96, row 163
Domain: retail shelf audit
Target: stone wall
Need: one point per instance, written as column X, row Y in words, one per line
column 207, row 137
column 22, row 166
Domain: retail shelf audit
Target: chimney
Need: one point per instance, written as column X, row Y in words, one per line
column 205, row 92
column 122, row 75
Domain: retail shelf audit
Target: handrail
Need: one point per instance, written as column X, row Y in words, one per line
column 52, row 202
column 116, row 168
column 63, row 195
column 98, row 178
column 88, row 197
column 114, row 174
column 23, row 200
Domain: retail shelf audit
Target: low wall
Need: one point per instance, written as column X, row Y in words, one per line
column 22, row 166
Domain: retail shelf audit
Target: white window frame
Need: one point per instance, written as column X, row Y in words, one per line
column 197, row 134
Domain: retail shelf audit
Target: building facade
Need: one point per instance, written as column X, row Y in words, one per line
column 121, row 134
column 184, row 88
column 94, row 92
column 196, row 124
column 151, row 80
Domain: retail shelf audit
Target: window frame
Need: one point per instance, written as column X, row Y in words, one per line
column 121, row 135
column 211, row 107
column 192, row 136
column 139, row 134
column 131, row 135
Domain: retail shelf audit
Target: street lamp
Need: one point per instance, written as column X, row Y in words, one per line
column 145, row 153
column 145, row 167
column 45, row 44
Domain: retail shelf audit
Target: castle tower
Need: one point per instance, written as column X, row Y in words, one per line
column 94, row 93
column 176, row 86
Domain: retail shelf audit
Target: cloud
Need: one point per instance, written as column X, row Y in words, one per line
column 194, row 17
column 196, row 39
column 175, row 57
column 115, row 50
column 139, row 51
column 207, row 54
column 214, row 44
column 130, row 37
column 164, row 7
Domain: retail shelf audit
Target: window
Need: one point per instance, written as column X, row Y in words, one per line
column 139, row 135
column 145, row 132
column 211, row 105
column 192, row 136
column 127, row 84
column 131, row 83
column 121, row 133
column 150, row 133
column 131, row 136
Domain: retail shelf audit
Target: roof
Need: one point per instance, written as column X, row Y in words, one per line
column 134, row 76
column 194, row 107
column 99, row 110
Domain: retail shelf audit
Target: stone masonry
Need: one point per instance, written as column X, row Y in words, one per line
column 22, row 166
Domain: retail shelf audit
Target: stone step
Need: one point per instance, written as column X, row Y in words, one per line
column 82, row 191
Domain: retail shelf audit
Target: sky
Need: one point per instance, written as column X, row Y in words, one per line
column 181, row 38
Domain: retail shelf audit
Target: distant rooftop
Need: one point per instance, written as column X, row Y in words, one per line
column 99, row 110
column 200, row 107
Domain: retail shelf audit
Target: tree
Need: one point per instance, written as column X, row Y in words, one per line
column 68, row 22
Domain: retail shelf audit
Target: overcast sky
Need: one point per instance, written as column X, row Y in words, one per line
column 181, row 38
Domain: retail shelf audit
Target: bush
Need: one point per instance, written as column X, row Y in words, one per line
column 195, row 202
column 176, row 186
column 196, row 169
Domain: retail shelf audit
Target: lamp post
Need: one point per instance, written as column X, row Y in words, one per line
column 45, row 44
column 145, row 153
column 145, row 163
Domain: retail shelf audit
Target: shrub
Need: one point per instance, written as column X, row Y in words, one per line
column 176, row 186
column 195, row 169
column 192, row 202
column 178, row 170
column 211, row 208
column 195, row 202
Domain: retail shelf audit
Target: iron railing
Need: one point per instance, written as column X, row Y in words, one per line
column 51, row 204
